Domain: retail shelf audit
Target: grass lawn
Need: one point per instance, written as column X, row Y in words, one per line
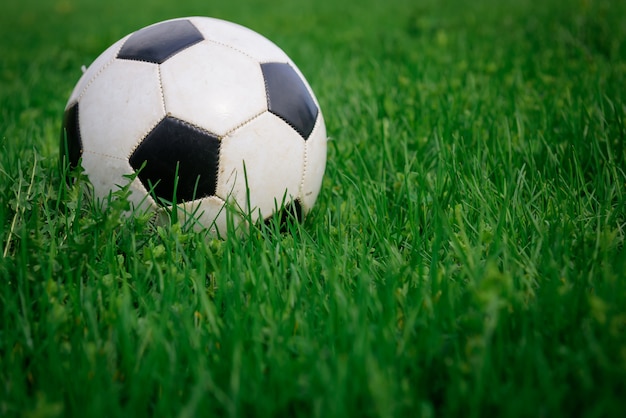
column 465, row 256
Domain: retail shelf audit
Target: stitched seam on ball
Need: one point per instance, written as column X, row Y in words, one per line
column 305, row 162
column 212, row 197
column 142, row 137
column 97, row 74
column 267, row 91
column 292, row 125
column 242, row 52
column 193, row 126
column 145, row 61
column 242, row 124
column 102, row 154
column 161, row 93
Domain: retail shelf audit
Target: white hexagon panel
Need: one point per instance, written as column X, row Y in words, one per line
column 217, row 100
column 269, row 178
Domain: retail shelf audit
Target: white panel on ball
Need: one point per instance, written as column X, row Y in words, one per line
column 209, row 212
column 213, row 87
column 116, row 111
column 95, row 68
column 240, row 38
column 273, row 155
column 121, row 106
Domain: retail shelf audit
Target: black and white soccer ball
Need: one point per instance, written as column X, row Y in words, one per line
column 208, row 114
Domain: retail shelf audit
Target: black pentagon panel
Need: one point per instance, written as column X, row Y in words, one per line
column 159, row 42
column 71, row 146
column 288, row 97
column 175, row 146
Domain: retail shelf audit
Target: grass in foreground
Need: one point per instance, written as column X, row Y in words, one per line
column 466, row 256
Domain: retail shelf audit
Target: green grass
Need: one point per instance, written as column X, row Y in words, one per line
column 465, row 257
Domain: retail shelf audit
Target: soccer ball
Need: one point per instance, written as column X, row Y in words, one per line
column 204, row 116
